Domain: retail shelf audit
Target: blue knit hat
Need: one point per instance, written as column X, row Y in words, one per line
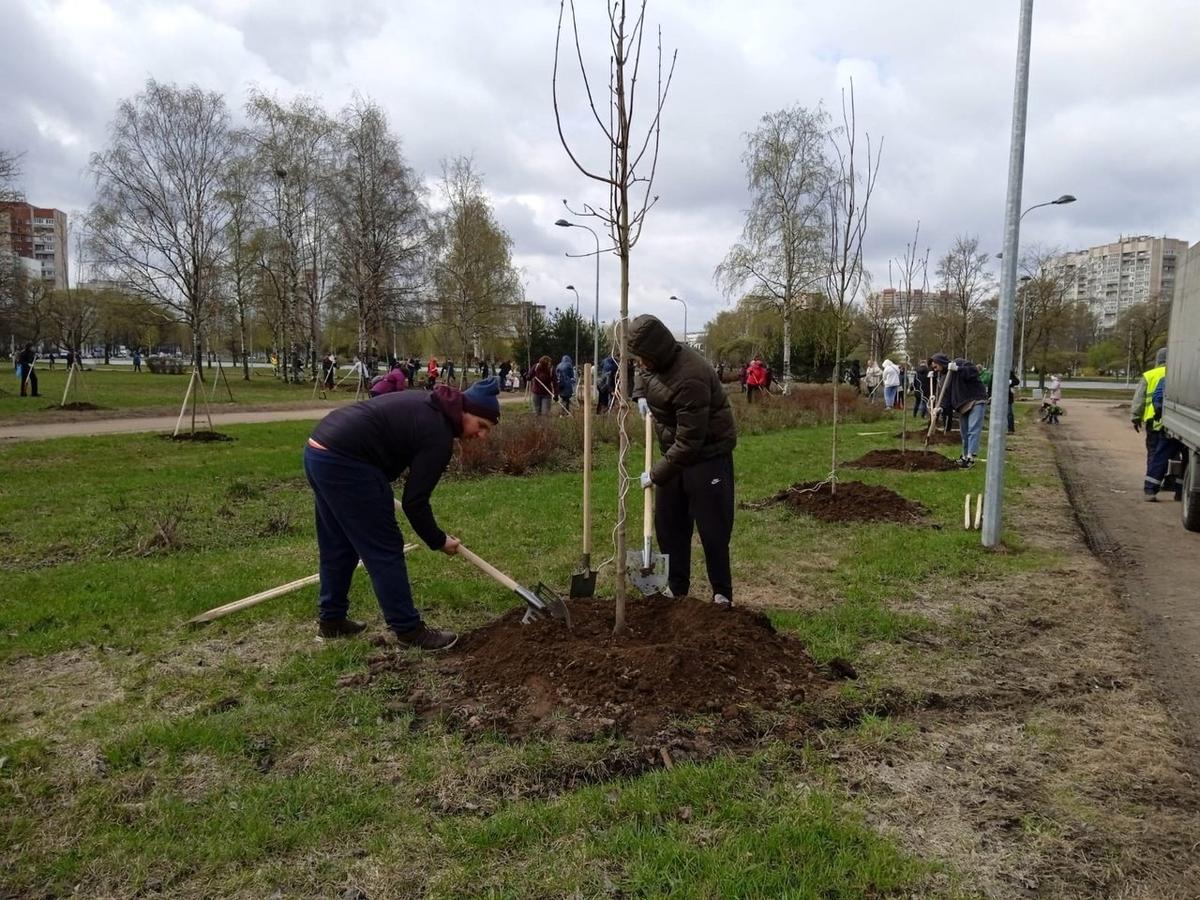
column 483, row 399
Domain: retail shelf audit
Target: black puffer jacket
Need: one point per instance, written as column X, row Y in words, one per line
column 692, row 416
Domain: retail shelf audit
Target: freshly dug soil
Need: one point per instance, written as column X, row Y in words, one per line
column 853, row 502
column 917, row 438
column 74, row 407
column 200, row 437
column 908, row 461
column 679, row 659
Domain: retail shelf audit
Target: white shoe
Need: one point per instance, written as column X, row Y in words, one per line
column 721, row 600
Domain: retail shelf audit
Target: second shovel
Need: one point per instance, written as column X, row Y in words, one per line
column 583, row 582
column 646, row 569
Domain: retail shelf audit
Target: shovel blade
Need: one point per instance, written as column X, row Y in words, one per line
column 583, row 584
column 543, row 603
column 649, row 581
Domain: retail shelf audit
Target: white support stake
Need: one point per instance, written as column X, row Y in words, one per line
column 978, row 511
column 967, row 513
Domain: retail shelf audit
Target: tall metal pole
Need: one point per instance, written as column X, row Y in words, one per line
column 571, row 288
column 997, row 431
column 681, row 300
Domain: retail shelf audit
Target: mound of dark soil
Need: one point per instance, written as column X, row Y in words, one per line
column 200, row 437
column 679, row 659
column 853, row 502
column 917, row 438
column 79, row 406
column 908, row 461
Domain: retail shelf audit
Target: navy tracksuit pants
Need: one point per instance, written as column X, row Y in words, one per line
column 700, row 498
column 356, row 519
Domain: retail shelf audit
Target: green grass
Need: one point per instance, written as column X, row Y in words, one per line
column 227, row 759
column 120, row 388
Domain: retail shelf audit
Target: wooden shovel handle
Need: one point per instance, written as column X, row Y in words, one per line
column 487, row 568
column 587, row 459
column 648, row 505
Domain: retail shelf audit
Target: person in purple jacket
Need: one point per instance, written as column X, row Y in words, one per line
column 351, row 459
column 393, row 381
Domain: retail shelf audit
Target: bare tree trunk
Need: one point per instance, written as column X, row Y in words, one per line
column 787, row 351
column 837, row 365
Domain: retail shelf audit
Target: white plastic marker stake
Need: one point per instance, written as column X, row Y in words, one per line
column 978, row 511
column 967, row 513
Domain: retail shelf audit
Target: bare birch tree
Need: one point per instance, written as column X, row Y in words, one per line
column 241, row 260
column 158, row 224
column 909, row 302
column 629, row 180
column 382, row 224
column 474, row 278
column 781, row 255
column 964, row 274
column 849, row 201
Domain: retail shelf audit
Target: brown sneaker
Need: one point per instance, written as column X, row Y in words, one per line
column 336, row 628
column 424, row 638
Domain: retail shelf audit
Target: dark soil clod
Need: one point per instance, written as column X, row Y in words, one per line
column 678, row 660
column 906, row 460
column 200, row 437
column 80, row 406
column 853, row 502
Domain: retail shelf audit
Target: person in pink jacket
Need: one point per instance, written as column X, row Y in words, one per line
column 393, row 381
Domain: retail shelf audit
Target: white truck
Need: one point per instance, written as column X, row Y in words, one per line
column 1181, row 396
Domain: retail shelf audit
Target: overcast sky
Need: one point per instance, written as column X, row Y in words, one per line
column 1114, row 110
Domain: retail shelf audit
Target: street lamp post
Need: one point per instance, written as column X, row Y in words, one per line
column 1024, row 291
column 571, row 287
column 680, row 299
column 563, row 223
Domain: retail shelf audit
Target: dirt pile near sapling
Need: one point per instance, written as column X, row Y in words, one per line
column 678, row 659
column 853, row 502
column 79, row 406
column 906, row 460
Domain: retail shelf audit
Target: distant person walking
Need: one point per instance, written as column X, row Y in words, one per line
column 872, row 379
column 1142, row 413
column 920, row 389
column 606, row 384
column 431, row 374
column 137, row 360
column 756, row 378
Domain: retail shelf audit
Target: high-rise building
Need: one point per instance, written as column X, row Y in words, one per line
column 1111, row 277
column 34, row 233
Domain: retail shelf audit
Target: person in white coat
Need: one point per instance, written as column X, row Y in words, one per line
column 891, row 383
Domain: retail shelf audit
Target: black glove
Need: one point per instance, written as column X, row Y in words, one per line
column 1137, row 426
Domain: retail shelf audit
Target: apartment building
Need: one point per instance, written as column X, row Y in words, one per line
column 38, row 234
column 1112, row 277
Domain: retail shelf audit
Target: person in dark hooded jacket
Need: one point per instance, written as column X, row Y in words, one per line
column 352, row 455
column 966, row 396
column 693, row 422
column 564, row 382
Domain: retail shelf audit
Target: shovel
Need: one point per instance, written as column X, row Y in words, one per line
column 583, row 582
column 540, row 603
column 936, row 406
column 646, row 569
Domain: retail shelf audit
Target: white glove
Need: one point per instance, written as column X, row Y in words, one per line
column 643, row 407
column 953, row 367
column 646, row 482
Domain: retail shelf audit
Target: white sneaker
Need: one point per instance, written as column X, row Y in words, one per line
column 721, row 600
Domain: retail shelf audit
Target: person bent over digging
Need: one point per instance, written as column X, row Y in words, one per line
column 351, row 459
column 966, row 396
column 694, row 476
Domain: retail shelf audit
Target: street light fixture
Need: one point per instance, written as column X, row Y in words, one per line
column 680, row 299
column 571, row 287
column 563, row 223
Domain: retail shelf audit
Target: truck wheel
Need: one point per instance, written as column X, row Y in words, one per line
column 1191, row 493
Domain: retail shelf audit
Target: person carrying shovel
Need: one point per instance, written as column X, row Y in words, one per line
column 964, row 394
column 351, row 459
column 694, row 476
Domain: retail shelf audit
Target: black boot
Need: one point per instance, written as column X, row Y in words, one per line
column 336, row 628
column 424, row 638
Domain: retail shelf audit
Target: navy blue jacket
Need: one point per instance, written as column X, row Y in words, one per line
column 397, row 432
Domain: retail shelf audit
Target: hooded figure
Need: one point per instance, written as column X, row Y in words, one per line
column 564, row 381
column 351, row 458
column 694, row 425
column 891, row 383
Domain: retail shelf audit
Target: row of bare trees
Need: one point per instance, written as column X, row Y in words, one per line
column 293, row 219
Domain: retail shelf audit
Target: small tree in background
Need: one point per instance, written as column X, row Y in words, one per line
column 849, row 200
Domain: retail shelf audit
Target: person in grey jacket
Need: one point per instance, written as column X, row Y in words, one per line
column 693, row 422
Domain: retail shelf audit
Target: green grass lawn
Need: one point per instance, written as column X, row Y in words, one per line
column 120, row 388
column 227, row 761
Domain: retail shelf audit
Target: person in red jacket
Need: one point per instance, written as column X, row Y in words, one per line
column 756, row 378
column 431, row 374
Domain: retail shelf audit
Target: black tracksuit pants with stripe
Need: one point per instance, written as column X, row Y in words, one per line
column 700, row 498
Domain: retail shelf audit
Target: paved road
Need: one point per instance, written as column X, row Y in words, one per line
column 44, row 430
column 1155, row 560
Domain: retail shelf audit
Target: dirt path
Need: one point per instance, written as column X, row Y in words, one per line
column 133, row 423
column 1154, row 560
